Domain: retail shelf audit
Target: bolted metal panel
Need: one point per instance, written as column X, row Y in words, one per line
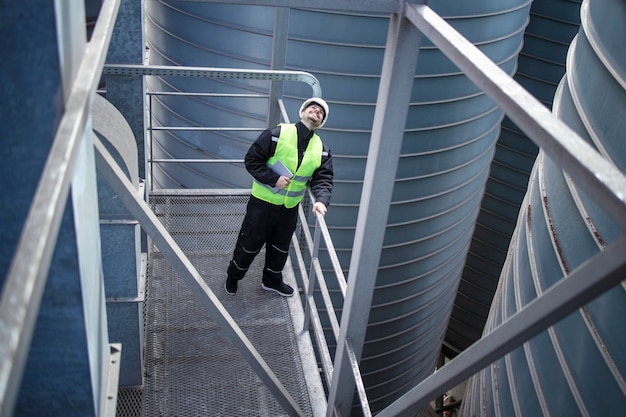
column 579, row 360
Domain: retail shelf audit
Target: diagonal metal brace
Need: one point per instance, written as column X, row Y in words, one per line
column 593, row 278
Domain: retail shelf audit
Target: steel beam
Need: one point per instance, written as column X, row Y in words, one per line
column 596, row 276
column 600, row 179
column 398, row 72
column 109, row 401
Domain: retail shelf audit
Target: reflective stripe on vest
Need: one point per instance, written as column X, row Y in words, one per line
column 287, row 153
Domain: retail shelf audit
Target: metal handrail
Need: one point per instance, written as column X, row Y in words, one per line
column 204, row 294
column 315, row 277
column 28, row 273
column 311, row 315
column 207, row 72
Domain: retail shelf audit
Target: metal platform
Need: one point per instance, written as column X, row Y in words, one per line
column 191, row 368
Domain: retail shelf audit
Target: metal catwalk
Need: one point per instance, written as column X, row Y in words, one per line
column 191, row 368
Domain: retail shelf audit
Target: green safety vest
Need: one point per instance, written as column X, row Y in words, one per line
column 287, row 153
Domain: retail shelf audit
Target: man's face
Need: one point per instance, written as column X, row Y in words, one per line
column 314, row 114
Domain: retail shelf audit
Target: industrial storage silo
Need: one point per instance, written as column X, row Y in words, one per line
column 577, row 366
column 446, row 154
column 541, row 65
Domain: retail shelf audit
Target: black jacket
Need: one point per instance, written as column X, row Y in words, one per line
column 263, row 149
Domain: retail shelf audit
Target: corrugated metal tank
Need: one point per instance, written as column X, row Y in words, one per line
column 446, row 154
column 541, row 65
column 577, row 367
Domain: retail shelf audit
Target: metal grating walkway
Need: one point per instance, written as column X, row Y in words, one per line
column 191, row 368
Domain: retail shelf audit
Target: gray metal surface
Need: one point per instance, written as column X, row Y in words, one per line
column 541, row 65
column 191, row 367
column 381, row 6
column 214, row 73
column 602, row 274
column 563, row 228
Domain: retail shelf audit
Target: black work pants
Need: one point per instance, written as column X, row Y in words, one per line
column 264, row 224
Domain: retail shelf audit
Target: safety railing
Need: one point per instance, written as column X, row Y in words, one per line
column 314, row 278
column 212, row 73
column 151, row 95
column 310, row 280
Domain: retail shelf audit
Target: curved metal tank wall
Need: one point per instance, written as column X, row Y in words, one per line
column 209, row 35
column 541, row 65
column 577, row 367
column 446, row 155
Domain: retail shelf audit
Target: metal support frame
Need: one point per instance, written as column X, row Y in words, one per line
column 409, row 21
column 25, row 282
column 356, row 374
column 400, row 61
column 311, row 316
column 596, row 276
column 277, row 77
column 596, row 176
column 207, row 72
column 27, row 275
column 312, row 275
column 600, row 179
column 118, row 182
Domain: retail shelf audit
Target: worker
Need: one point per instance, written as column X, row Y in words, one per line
column 283, row 161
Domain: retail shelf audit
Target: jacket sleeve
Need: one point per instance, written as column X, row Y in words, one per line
column 259, row 153
column 321, row 182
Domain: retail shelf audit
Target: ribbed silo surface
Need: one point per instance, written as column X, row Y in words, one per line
column 209, row 35
column 577, row 367
column 445, row 160
column 541, row 65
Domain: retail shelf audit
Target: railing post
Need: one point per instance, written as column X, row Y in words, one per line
column 400, row 60
column 312, row 275
column 356, row 372
column 151, row 145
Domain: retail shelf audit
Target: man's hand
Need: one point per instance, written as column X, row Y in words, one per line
column 320, row 208
column 283, row 182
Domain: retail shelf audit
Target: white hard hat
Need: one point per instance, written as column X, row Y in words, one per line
column 316, row 100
